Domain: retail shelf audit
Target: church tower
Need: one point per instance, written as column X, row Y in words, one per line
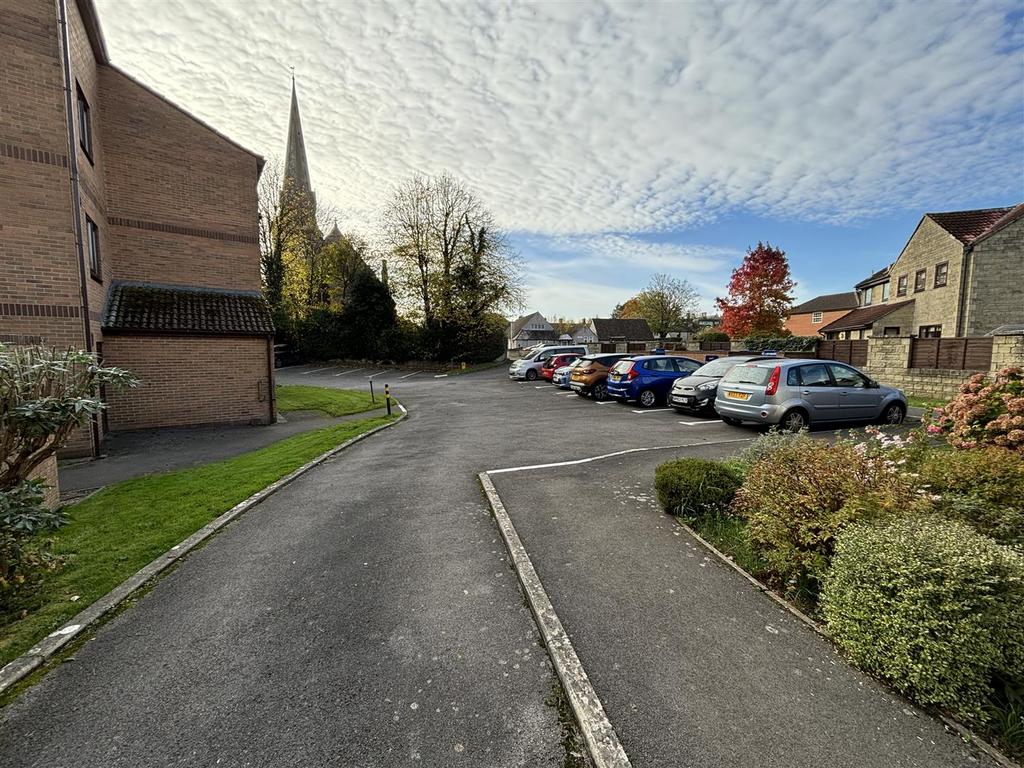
column 296, row 166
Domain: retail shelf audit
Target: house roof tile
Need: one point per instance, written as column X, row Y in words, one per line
column 148, row 308
column 877, row 277
column 630, row 329
column 970, row 226
column 863, row 317
column 831, row 302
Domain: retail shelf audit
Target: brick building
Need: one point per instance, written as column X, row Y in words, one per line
column 809, row 318
column 127, row 228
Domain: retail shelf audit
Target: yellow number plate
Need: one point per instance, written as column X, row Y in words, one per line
column 737, row 395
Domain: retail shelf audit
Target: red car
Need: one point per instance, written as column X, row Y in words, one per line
column 548, row 369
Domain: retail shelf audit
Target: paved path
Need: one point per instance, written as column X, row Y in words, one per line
column 149, row 451
column 366, row 616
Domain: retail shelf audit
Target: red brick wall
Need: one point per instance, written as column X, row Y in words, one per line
column 189, row 380
column 47, row 472
column 39, row 285
column 181, row 199
column 801, row 325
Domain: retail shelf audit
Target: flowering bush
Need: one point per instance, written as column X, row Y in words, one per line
column 986, row 412
column 798, row 498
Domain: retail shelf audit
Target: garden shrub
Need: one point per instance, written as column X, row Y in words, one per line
column 798, row 497
column 23, row 554
column 711, row 334
column 930, row 605
column 780, row 343
column 986, row 412
column 695, row 487
column 984, row 487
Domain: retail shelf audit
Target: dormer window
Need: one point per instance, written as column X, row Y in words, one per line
column 866, row 294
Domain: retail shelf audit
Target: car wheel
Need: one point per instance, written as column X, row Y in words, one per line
column 599, row 392
column 893, row 414
column 794, row 421
column 731, row 421
column 531, row 375
column 647, row 399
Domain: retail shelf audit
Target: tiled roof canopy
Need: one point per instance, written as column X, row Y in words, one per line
column 968, row 226
column 863, row 317
column 139, row 308
column 878, row 277
column 628, row 329
column 832, row 302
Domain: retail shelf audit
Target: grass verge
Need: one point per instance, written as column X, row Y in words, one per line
column 729, row 535
column 925, row 402
column 332, row 402
column 115, row 532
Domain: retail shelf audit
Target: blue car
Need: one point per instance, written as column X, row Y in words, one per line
column 648, row 379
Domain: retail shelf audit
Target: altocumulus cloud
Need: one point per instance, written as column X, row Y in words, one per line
column 574, row 120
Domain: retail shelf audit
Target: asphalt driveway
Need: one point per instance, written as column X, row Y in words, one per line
column 366, row 615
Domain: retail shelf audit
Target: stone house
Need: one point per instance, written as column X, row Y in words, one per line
column 809, row 318
column 129, row 230
column 621, row 334
column 960, row 274
column 583, row 334
column 529, row 330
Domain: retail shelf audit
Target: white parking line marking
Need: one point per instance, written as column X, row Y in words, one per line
column 573, row 394
column 379, row 373
column 441, row 376
column 542, row 386
column 604, row 402
column 653, row 410
column 317, row 370
column 354, row 370
column 697, row 423
column 410, row 374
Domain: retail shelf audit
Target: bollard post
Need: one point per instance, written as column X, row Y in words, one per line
column 372, row 398
column 387, row 397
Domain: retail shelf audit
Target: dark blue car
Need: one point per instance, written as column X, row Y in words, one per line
column 648, row 379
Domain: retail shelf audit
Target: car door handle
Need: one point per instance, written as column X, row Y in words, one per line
column 805, row 391
column 843, row 393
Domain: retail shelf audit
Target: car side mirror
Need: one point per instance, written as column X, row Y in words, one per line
column 872, row 384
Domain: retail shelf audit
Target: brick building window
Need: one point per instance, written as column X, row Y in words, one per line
column 816, row 317
column 901, row 285
column 941, row 274
column 92, row 241
column 930, row 331
column 885, row 291
column 891, row 330
column 84, row 124
column 919, row 280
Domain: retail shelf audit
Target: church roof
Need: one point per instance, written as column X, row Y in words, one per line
column 296, row 167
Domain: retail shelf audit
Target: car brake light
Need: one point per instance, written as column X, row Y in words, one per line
column 773, row 381
column 632, row 374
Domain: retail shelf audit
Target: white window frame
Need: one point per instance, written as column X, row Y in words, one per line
column 817, row 317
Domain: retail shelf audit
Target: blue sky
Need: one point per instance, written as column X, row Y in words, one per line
column 616, row 140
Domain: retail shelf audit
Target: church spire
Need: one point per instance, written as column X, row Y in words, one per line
column 296, row 167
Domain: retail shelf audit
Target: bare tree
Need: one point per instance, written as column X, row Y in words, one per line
column 291, row 223
column 450, row 251
column 666, row 302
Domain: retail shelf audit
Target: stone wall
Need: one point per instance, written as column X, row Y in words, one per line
column 888, row 358
column 996, row 281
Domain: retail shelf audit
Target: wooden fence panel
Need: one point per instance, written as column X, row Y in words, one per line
column 715, row 346
column 952, row 354
column 853, row 351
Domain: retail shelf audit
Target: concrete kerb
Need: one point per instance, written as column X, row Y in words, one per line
column 602, row 742
column 38, row 654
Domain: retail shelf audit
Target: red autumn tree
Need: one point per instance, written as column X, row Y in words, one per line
column 759, row 294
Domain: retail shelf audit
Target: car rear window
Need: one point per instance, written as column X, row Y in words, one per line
column 622, row 366
column 748, row 374
column 714, row 368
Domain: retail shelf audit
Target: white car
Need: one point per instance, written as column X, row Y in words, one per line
column 528, row 368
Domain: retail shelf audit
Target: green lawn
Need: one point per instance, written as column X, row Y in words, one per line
column 925, row 402
column 118, row 530
column 333, row 402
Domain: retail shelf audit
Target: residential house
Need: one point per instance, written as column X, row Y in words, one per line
column 529, row 330
column 621, row 335
column 960, row 274
column 704, row 321
column 809, row 318
column 129, row 230
column 584, row 334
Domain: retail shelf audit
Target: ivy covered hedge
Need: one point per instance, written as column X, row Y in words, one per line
column 780, row 344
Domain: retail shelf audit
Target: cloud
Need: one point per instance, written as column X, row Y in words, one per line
column 574, row 120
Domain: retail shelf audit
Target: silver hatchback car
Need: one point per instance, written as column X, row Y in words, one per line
column 797, row 393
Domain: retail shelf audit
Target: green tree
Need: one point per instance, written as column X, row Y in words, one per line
column 666, row 303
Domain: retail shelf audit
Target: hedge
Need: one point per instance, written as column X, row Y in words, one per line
column 695, row 487
column 931, row 606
